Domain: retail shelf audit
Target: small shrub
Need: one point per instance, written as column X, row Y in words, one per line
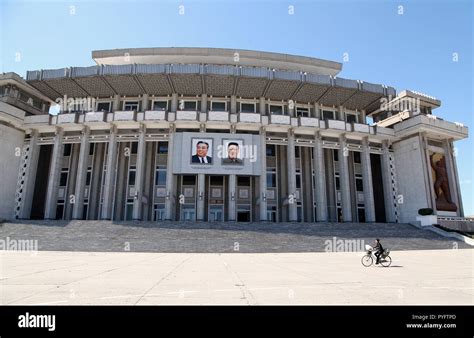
column 425, row 211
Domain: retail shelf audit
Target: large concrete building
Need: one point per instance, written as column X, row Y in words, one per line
column 220, row 135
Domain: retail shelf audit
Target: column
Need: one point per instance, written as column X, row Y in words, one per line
column 145, row 103
column 292, row 208
column 317, row 111
column 109, row 181
column 232, row 196
column 149, row 185
column 367, row 181
column 97, row 172
column 341, row 114
column 261, row 106
column 54, row 173
column 233, row 104
column 387, row 183
column 344, row 180
column 71, row 184
column 363, row 116
column 30, row 176
column 263, row 175
column 78, row 206
column 330, row 184
column 320, row 180
column 170, row 188
column 116, row 103
column 204, row 103
column 174, row 102
column 201, row 195
column 140, row 174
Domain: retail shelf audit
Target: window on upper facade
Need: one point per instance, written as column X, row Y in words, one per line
column 351, row 118
column 359, row 184
column 247, row 107
column 276, row 109
column 104, row 106
column 160, row 105
column 130, row 105
column 218, row 106
column 188, row 105
column 303, row 112
column 329, row 115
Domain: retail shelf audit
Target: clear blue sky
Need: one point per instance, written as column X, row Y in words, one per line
column 409, row 51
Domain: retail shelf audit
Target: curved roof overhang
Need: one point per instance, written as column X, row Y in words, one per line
column 216, row 56
column 210, row 79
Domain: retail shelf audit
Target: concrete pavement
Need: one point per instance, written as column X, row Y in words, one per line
column 113, row 278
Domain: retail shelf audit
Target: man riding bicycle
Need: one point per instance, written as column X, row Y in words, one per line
column 378, row 248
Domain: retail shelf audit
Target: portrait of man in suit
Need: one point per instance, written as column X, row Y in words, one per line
column 233, row 153
column 202, row 152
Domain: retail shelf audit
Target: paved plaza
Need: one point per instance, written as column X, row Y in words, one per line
column 112, row 278
column 139, row 263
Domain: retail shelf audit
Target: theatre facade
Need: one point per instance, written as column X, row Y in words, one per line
column 198, row 134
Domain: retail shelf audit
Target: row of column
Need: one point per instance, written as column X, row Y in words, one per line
column 110, row 173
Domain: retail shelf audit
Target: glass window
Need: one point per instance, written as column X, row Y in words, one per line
column 162, row 147
column 243, row 181
column 88, row 178
column 359, row 184
column 189, row 180
column 276, row 110
column 271, row 150
column 160, row 105
column 190, row 105
column 297, row 152
column 271, row 180
column 351, row 118
column 247, row 107
column 91, row 148
column 134, row 147
column 130, row 105
column 160, row 178
column 298, row 181
column 217, row 180
column 356, row 157
column 336, row 154
column 338, row 185
column 328, row 115
column 67, row 149
column 131, row 177
column 303, row 112
column 63, row 180
column 103, row 106
column 218, row 106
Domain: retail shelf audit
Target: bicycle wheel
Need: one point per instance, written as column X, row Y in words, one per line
column 386, row 261
column 367, row 260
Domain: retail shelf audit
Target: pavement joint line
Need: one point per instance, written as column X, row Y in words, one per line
column 72, row 282
column 163, row 278
column 241, row 286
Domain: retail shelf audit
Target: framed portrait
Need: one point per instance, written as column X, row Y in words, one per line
column 232, row 152
column 201, row 151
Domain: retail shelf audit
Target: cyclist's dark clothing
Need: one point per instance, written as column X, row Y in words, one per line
column 378, row 251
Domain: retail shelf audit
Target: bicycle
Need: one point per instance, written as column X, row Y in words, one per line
column 368, row 259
